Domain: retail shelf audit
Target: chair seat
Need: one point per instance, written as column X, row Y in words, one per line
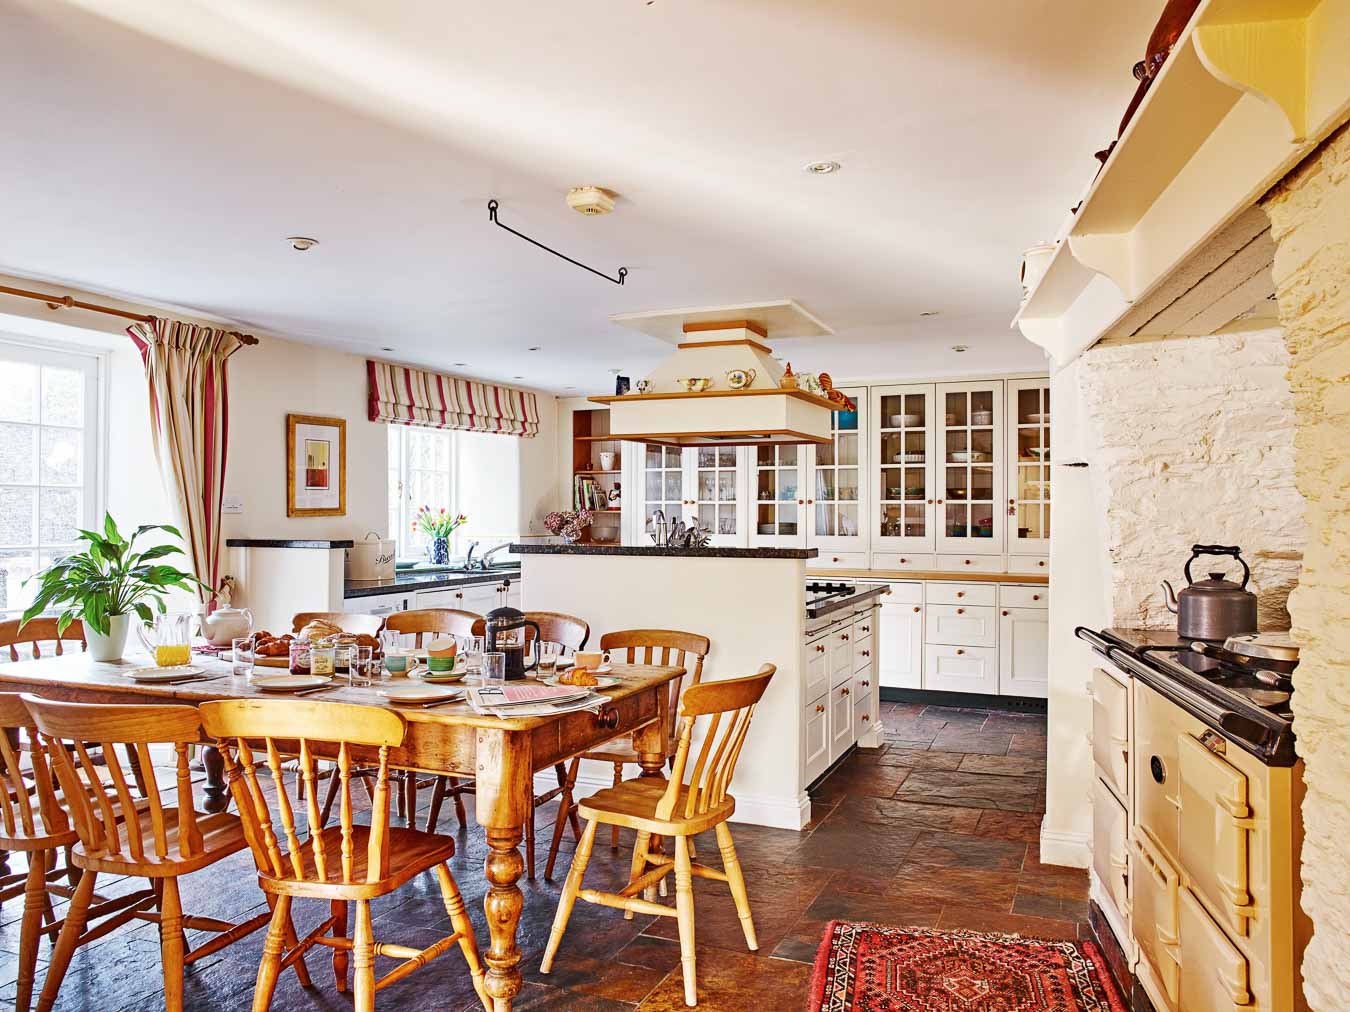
column 620, row 750
column 222, row 835
column 633, row 804
column 411, row 852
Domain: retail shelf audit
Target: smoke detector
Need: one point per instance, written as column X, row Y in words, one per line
column 590, row 200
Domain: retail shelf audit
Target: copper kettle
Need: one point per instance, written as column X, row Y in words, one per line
column 1215, row 608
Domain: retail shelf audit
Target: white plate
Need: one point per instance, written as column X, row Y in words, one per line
column 959, row 456
column 164, row 674
column 601, row 682
column 289, row 683
column 422, row 693
column 603, row 669
column 1038, row 419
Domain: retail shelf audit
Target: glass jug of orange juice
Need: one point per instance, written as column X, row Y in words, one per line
column 168, row 638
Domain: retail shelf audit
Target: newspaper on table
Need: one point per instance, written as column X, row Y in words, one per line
column 532, row 700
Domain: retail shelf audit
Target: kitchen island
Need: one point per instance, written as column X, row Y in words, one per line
column 752, row 603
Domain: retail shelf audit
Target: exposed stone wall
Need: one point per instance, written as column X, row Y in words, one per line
column 1310, row 220
column 1192, row 440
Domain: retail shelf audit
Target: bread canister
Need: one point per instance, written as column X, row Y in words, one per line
column 371, row 559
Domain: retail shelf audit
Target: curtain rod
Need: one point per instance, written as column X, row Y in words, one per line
column 68, row 302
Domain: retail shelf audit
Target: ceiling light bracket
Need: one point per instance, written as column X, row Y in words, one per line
column 492, row 216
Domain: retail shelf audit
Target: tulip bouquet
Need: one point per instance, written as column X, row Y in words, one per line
column 438, row 525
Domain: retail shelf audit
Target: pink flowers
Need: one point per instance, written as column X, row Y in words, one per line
column 437, row 523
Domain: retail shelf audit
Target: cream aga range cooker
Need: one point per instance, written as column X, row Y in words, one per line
column 1196, row 825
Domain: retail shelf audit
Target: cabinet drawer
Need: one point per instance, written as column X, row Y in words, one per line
column 1110, row 853
column 863, row 715
column 1028, row 564
column 962, row 593
column 817, row 681
column 960, row 669
column 1110, row 734
column 903, row 560
column 1154, row 917
column 815, row 739
column 840, row 706
column 841, row 655
column 969, row 564
column 961, row 625
column 839, row 560
column 864, row 652
column 904, row 593
column 1023, row 597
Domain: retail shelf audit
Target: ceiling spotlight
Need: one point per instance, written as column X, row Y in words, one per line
column 300, row 243
column 958, row 348
column 386, row 349
column 824, row 168
column 459, row 365
column 535, row 347
column 930, row 312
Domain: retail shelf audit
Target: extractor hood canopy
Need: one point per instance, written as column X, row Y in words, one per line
column 713, row 345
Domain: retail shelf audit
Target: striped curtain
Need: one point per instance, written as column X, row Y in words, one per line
column 185, row 369
column 416, row 397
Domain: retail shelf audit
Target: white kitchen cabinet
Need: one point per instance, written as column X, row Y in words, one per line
column 948, row 668
column 900, row 638
column 382, row 604
column 714, row 477
column 960, row 625
column 835, row 499
column 815, row 739
column 1028, row 455
column 778, row 481
column 970, row 449
column 902, row 453
column 1024, row 652
column 841, row 709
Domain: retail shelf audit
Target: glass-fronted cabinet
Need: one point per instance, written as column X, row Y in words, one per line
column 902, row 467
column 970, row 472
column 778, row 486
column 835, row 504
column 661, row 480
column 1028, row 512
column 713, row 482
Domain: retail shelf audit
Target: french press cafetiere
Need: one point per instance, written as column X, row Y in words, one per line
column 506, row 633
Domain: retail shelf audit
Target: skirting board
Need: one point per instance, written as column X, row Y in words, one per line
column 755, row 810
column 1073, row 850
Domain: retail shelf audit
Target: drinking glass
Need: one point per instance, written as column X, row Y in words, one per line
column 472, row 651
column 390, row 641
column 241, row 656
column 548, row 656
column 494, row 666
column 360, row 666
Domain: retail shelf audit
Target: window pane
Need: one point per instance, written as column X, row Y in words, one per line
column 16, row 516
column 18, row 391
column 58, row 515
column 15, row 567
column 60, row 462
column 62, row 396
column 17, row 453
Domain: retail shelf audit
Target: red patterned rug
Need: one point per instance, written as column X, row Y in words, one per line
column 875, row 968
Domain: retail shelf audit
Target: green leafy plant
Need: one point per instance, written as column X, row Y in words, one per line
column 109, row 578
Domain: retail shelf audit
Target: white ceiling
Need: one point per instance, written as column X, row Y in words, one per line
column 163, row 150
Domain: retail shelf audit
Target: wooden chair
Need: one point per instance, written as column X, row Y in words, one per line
column 39, row 631
column 342, row 863
column 418, row 623
column 667, row 647
column 120, row 836
column 571, row 634
column 651, row 805
column 355, row 623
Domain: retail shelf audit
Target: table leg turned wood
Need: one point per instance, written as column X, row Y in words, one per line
column 504, row 800
column 215, row 796
column 650, row 743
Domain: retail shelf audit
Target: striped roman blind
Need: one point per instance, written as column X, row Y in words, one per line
column 405, row 396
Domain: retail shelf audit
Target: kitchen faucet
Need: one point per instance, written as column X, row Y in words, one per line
column 468, row 558
column 484, row 563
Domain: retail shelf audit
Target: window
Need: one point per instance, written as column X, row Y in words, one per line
column 48, row 461
column 421, row 470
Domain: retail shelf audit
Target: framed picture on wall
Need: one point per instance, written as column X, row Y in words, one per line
column 316, row 466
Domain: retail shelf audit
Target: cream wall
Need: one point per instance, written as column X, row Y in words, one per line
column 1310, row 221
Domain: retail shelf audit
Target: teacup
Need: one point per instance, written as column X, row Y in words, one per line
column 396, row 664
column 441, row 662
column 588, row 659
column 644, row 386
column 695, row 384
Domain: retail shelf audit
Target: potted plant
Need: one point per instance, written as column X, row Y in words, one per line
column 439, row 525
column 106, row 583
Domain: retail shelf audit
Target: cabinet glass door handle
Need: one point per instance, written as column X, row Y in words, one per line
column 1004, row 613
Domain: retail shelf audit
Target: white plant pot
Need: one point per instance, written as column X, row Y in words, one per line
column 110, row 647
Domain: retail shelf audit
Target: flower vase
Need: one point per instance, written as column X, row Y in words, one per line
column 440, row 551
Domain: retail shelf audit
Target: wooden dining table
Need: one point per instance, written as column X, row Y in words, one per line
column 502, row 755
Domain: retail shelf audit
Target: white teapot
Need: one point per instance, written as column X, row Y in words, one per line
column 226, row 624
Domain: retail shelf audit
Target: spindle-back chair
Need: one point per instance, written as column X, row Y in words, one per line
column 673, row 808
column 121, row 835
column 666, row 647
column 38, row 631
column 341, row 863
column 418, row 622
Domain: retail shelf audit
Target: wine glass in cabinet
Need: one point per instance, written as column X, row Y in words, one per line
column 834, row 499
column 713, row 476
column 970, row 472
column 1028, row 506
column 903, row 450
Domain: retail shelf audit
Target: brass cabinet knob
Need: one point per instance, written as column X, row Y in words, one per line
column 903, row 561
column 820, row 648
column 1035, row 597
column 866, row 653
column 1040, row 562
column 866, row 684
column 960, row 611
column 1005, row 612
column 801, row 502
column 867, row 628
column 866, row 717
column 844, row 691
column 819, row 708
column 917, row 609
column 967, row 562
column 960, row 593
column 844, row 637
column 834, row 558
column 959, row 652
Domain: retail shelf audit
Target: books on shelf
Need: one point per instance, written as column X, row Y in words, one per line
column 589, row 494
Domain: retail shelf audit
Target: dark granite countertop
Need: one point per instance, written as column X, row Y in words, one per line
column 864, row 592
column 286, row 543
column 651, row 551
column 410, row 580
